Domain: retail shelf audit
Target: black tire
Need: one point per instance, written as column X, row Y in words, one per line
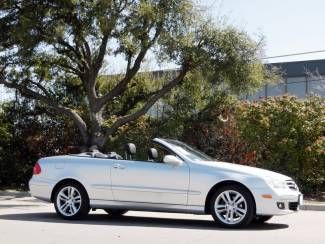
column 82, row 206
column 241, row 213
column 260, row 219
column 116, row 212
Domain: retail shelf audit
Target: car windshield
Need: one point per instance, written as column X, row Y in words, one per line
column 188, row 151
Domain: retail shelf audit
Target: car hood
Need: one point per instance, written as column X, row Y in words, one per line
column 242, row 169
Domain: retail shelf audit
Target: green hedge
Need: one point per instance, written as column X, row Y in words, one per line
column 287, row 135
column 26, row 134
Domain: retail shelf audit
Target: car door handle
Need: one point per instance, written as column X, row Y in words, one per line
column 119, row 166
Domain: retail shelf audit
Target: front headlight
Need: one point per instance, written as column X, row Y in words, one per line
column 276, row 184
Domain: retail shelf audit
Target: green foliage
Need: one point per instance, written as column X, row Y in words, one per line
column 139, row 89
column 209, row 132
column 140, row 132
column 287, row 135
column 25, row 136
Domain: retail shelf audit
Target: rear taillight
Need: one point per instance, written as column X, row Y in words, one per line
column 37, row 169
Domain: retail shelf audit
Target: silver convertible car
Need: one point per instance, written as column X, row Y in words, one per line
column 174, row 178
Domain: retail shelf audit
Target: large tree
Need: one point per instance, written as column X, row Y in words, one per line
column 54, row 51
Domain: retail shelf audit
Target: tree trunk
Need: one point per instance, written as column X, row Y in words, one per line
column 97, row 141
column 97, row 138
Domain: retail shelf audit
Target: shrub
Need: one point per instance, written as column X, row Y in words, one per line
column 219, row 139
column 139, row 132
column 27, row 134
column 287, row 135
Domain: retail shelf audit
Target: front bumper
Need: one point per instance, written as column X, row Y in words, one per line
column 282, row 202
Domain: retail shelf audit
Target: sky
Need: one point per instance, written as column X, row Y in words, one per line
column 288, row 26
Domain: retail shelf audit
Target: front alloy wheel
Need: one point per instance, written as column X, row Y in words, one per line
column 71, row 201
column 232, row 206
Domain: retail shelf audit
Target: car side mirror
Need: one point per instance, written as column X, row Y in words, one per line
column 172, row 160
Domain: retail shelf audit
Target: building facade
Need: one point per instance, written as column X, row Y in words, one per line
column 301, row 79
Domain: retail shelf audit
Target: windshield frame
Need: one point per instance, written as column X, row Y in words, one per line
column 184, row 150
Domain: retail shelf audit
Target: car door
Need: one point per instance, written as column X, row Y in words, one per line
column 150, row 182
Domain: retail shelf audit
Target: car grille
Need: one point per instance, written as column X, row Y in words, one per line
column 293, row 206
column 292, row 185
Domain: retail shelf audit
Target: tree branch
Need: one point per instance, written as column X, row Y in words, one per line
column 132, row 102
column 122, row 85
column 69, row 47
column 131, row 72
column 150, row 102
column 42, row 88
column 59, row 109
column 128, row 66
column 86, row 52
column 69, row 69
column 101, row 54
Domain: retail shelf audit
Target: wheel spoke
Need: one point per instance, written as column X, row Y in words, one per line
column 74, row 209
column 70, row 209
column 65, row 206
column 231, row 216
column 220, row 206
column 239, row 214
column 239, row 200
column 228, row 197
column 78, row 197
column 225, row 216
column 71, row 192
column 224, row 199
column 77, row 201
column 221, row 210
column 228, row 216
column 236, row 198
column 241, row 211
column 63, row 197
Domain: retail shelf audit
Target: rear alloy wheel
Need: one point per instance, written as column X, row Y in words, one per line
column 71, row 201
column 115, row 212
column 260, row 219
column 232, row 206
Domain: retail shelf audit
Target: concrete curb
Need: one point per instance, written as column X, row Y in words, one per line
column 313, row 207
column 14, row 193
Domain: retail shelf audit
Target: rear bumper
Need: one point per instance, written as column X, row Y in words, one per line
column 40, row 189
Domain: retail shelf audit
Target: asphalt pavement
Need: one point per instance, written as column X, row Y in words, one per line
column 24, row 219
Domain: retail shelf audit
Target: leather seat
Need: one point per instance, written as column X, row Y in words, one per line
column 152, row 154
column 131, row 150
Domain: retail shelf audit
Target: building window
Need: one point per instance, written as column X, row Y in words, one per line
column 275, row 90
column 316, row 87
column 296, row 79
column 297, row 89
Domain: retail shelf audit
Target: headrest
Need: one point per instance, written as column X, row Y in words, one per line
column 152, row 153
column 130, row 148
